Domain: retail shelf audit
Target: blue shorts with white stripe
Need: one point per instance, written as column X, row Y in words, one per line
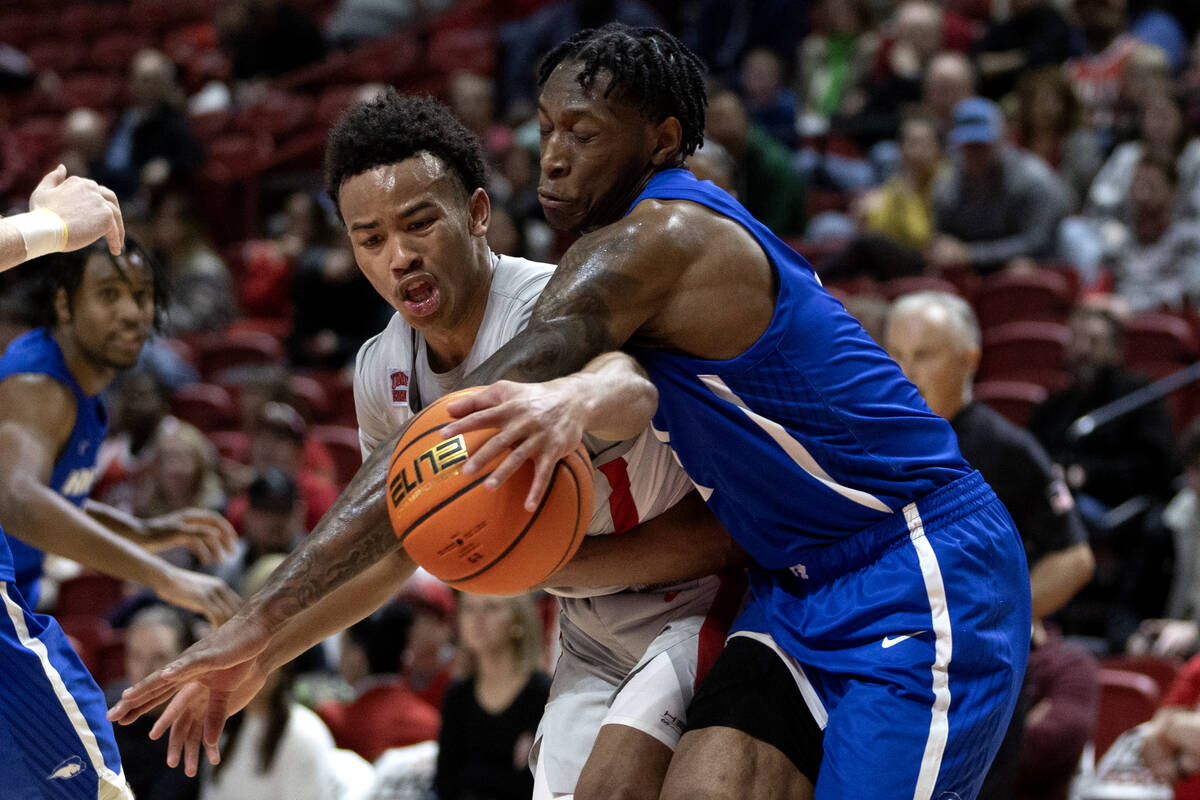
column 55, row 740
column 908, row 644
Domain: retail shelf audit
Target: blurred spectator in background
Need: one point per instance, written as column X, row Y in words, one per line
column 836, row 56
column 1171, row 742
column 1155, row 263
column 1178, row 633
column 472, row 98
column 353, row 21
column 1049, row 125
column 277, row 748
column 384, row 712
column 721, row 32
column 271, row 523
column 337, row 309
column 183, row 472
column 896, row 219
column 277, row 441
column 767, row 185
column 1132, row 455
column 139, row 408
column 1147, row 75
column 1063, row 687
column 267, row 38
column 922, row 58
column 770, row 104
column 151, row 142
column 997, row 206
column 84, row 138
column 264, row 384
column 525, row 41
column 154, row 637
column 712, row 162
column 1163, row 135
column 1034, row 34
column 428, row 659
column 489, row 717
column 1098, row 74
column 504, row 235
column 200, row 285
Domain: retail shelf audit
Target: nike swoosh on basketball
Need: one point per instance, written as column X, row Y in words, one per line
column 892, row 641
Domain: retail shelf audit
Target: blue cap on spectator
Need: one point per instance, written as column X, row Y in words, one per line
column 976, row 120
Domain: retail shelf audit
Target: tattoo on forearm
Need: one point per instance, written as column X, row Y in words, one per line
column 572, row 321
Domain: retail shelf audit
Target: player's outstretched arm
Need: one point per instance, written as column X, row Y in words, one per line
column 66, row 213
column 352, row 536
column 220, row 674
column 683, row 543
column 36, row 416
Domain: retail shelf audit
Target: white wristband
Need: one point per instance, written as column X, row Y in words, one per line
column 42, row 230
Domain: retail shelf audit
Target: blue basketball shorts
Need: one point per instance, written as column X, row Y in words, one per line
column 907, row 643
column 55, row 740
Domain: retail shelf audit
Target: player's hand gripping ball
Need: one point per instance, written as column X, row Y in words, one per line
column 473, row 538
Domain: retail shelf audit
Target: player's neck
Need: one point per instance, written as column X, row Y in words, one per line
column 92, row 377
column 448, row 347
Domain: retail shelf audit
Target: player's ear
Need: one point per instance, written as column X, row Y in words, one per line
column 479, row 207
column 62, row 306
column 668, row 140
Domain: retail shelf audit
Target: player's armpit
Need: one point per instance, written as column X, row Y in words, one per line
column 684, row 542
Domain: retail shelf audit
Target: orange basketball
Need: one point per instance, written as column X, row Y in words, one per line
column 473, row 538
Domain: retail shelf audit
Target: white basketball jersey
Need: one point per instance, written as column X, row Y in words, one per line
column 636, row 479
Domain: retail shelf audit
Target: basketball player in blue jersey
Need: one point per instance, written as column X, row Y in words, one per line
column 56, row 740
column 884, row 640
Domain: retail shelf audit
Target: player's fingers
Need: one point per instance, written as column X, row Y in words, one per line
column 222, row 531
column 489, row 450
column 129, row 709
column 191, row 749
column 481, row 419
column 478, row 400
column 214, row 721
column 52, row 178
column 543, row 469
column 525, row 451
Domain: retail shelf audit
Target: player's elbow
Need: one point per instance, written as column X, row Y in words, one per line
column 1082, row 565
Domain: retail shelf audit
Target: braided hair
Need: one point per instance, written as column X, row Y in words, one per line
column 650, row 69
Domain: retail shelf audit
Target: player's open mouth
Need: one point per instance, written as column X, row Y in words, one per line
column 421, row 297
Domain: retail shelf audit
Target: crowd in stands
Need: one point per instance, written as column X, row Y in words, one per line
column 1039, row 159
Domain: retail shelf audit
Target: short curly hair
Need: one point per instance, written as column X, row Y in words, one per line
column 649, row 68
column 394, row 127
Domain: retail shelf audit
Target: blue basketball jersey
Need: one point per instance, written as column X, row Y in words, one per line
column 813, row 433
column 75, row 469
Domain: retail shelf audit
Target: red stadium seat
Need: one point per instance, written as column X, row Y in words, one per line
column 21, row 27
column 334, row 100
column 101, row 91
column 1160, row 669
column 1015, row 400
column 55, row 55
column 236, row 349
column 88, row 594
column 92, row 633
column 1025, row 351
column 277, row 114
column 115, row 51
column 1043, row 295
column 453, row 49
column 309, row 393
column 916, row 283
column 234, row 156
column 82, row 21
column 110, row 660
column 339, row 388
column 234, row 445
column 205, row 405
column 1127, row 699
column 342, row 444
column 1158, row 344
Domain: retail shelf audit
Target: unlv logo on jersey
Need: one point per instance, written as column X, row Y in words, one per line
column 399, row 387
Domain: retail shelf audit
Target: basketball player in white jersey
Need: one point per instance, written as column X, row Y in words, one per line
column 400, row 170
